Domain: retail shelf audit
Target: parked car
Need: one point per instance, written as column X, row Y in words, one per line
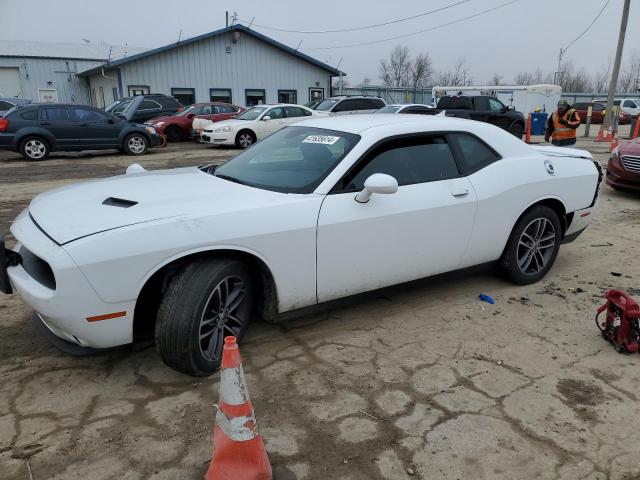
column 313, row 104
column 630, row 106
column 35, row 130
column 254, row 124
column 179, row 125
column 7, row 103
column 623, row 169
column 407, row 108
column 597, row 113
column 323, row 209
column 343, row 105
column 144, row 107
column 483, row 109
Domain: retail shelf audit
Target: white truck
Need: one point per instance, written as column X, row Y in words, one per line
column 524, row 98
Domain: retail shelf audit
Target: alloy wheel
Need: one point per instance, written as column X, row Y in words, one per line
column 536, row 246
column 35, row 149
column 245, row 140
column 136, row 144
column 220, row 317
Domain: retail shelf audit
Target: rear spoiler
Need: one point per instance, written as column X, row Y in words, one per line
column 563, row 152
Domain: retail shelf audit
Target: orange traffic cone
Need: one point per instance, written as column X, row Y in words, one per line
column 600, row 134
column 636, row 131
column 614, row 143
column 527, row 137
column 609, row 136
column 238, row 449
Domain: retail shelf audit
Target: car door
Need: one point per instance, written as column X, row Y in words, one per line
column 498, row 114
column 597, row 114
column 275, row 122
column 95, row 128
column 57, row 120
column 147, row 110
column 631, row 107
column 295, row 114
column 422, row 229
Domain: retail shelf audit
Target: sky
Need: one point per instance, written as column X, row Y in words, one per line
column 524, row 35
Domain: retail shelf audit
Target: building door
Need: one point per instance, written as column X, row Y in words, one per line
column 138, row 90
column 287, row 96
column 10, row 82
column 316, row 94
column 47, row 95
column 186, row 96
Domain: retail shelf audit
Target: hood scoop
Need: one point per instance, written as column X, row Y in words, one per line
column 119, row 202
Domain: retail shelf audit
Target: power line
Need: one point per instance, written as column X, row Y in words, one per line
column 353, row 29
column 589, row 27
column 419, row 31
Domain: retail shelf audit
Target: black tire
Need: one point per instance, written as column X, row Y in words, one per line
column 174, row 134
column 34, row 148
column 517, row 130
column 245, row 138
column 184, row 305
column 135, row 144
column 520, row 266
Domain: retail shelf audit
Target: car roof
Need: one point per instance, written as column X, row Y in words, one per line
column 15, row 100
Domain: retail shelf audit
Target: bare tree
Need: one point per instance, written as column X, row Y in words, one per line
column 366, row 81
column 459, row 75
column 529, row 78
column 601, row 78
column 573, row 79
column 496, row 79
column 421, row 71
column 395, row 71
column 629, row 79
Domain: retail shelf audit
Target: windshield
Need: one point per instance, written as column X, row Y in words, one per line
column 252, row 113
column 389, row 109
column 292, row 160
column 327, row 104
column 186, row 111
column 118, row 107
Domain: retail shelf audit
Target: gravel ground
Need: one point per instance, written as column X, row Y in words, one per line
column 421, row 380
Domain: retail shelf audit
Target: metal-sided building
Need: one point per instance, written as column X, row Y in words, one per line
column 235, row 64
column 47, row 71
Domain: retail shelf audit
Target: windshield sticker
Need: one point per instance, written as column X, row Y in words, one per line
column 323, row 139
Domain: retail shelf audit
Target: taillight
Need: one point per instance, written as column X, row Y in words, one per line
column 4, row 124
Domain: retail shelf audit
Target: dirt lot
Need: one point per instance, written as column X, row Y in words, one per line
column 419, row 379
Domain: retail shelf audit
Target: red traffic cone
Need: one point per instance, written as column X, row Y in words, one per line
column 615, row 142
column 636, row 131
column 609, row 136
column 238, row 449
column 600, row 134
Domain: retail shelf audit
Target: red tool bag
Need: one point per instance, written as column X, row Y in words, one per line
column 621, row 325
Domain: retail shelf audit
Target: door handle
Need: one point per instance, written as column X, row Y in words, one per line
column 45, row 123
column 460, row 192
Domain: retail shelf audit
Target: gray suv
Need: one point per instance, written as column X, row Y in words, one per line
column 343, row 105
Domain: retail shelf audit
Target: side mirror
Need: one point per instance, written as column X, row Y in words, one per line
column 511, row 107
column 377, row 183
column 266, row 118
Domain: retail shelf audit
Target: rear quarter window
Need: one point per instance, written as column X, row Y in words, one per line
column 29, row 115
column 474, row 153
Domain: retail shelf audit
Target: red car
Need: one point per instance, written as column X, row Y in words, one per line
column 178, row 126
column 623, row 170
column 597, row 113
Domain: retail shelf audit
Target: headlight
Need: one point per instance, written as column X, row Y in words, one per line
column 159, row 124
column 222, row 130
column 615, row 154
column 150, row 130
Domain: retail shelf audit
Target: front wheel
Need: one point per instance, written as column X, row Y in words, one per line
column 207, row 301
column 245, row 139
column 532, row 247
column 516, row 130
column 174, row 134
column 135, row 144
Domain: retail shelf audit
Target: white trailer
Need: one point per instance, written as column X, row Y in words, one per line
column 524, row 98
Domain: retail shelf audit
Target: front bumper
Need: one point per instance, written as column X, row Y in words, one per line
column 156, row 139
column 619, row 177
column 69, row 306
column 218, row 138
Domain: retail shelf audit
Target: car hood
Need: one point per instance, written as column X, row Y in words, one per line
column 72, row 212
column 631, row 147
column 159, row 119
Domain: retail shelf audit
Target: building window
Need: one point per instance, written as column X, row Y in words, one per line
column 220, row 95
column 114, row 91
column 186, row 96
column 138, row 90
column 287, row 96
column 316, row 94
column 254, row 97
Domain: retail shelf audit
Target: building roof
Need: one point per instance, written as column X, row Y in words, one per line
column 98, row 51
column 233, row 28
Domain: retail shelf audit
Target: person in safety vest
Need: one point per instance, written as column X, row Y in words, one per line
column 562, row 125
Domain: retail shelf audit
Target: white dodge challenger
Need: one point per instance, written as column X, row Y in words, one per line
column 326, row 208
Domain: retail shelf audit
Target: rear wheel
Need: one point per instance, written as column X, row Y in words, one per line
column 516, row 129
column 207, row 301
column 34, row 148
column 135, row 144
column 174, row 134
column 532, row 247
column 245, row 139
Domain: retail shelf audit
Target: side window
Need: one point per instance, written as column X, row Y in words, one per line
column 629, row 104
column 474, row 152
column 149, row 105
column 295, row 112
column 205, row 110
column 376, row 103
column 345, row 106
column 30, row 115
column 276, row 113
column 495, row 105
column 419, row 110
column 224, row 109
column 5, row 106
column 55, row 114
column 409, row 161
column 481, row 103
column 598, row 107
column 579, row 106
column 87, row 115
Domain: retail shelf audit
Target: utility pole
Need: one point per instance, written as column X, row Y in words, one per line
column 557, row 77
column 608, row 121
column 227, row 18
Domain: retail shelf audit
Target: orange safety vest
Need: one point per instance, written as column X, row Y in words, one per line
column 562, row 132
